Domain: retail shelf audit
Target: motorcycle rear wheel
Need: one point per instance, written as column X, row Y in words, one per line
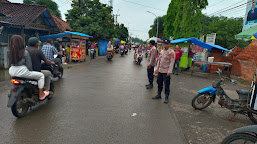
column 240, row 138
column 19, row 108
column 253, row 117
column 204, row 99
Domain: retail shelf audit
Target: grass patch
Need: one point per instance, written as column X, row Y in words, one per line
column 69, row 67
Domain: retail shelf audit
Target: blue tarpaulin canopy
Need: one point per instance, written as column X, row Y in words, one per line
column 196, row 41
column 65, row 34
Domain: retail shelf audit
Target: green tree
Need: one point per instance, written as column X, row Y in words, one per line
column 138, row 40
column 152, row 31
column 121, row 32
column 183, row 18
column 226, row 29
column 91, row 17
column 51, row 5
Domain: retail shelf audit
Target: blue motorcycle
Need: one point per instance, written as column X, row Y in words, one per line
column 245, row 104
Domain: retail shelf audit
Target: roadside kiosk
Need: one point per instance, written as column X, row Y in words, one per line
column 77, row 43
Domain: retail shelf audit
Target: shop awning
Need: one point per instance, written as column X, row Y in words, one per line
column 65, row 34
column 196, row 41
column 247, row 34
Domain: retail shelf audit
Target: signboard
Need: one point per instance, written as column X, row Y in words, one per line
column 75, row 53
column 250, row 19
column 201, row 38
column 210, row 38
column 78, row 50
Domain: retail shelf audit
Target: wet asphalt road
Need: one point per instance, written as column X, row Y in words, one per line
column 93, row 104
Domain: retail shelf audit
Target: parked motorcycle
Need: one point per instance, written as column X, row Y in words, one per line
column 122, row 52
column 24, row 95
column 139, row 58
column 109, row 56
column 244, row 105
column 247, row 134
column 92, row 53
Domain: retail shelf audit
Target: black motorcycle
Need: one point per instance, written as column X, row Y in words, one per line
column 122, row 52
column 243, row 135
column 126, row 51
column 116, row 50
column 109, row 56
column 92, row 53
column 23, row 95
column 53, row 70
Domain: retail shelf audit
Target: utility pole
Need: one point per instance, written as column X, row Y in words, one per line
column 116, row 17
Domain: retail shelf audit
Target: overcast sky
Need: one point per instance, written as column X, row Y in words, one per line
column 133, row 12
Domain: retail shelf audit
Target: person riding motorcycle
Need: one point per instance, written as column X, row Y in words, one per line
column 49, row 51
column 36, row 57
column 122, row 47
column 21, row 66
column 110, row 49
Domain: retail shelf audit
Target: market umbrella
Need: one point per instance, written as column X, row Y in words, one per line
column 116, row 40
column 122, row 42
column 254, row 36
column 155, row 39
column 247, row 34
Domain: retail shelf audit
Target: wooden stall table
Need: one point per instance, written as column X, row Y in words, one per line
column 225, row 67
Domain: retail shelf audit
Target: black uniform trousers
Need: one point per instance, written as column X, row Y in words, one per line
column 162, row 77
column 150, row 74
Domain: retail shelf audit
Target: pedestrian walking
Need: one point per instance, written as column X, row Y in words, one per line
column 151, row 61
column 164, row 69
column 177, row 60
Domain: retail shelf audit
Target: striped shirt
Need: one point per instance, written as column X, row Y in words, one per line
column 49, row 51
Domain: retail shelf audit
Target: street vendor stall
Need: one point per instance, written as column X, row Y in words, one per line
column 188, row 62
column 77, row 43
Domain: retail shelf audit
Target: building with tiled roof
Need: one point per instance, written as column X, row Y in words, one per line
column 61, row 25
column 28, row 20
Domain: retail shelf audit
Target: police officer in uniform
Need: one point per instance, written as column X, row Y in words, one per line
column 164, row 69
column 151, row 61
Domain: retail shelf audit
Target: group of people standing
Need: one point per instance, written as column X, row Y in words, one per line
column 164, row 67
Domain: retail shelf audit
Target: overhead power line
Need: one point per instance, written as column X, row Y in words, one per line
column 216, row 3
column 226, row 7
column 238, row 6
column 143, row 5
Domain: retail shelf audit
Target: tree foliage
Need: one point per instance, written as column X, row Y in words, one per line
column 121, row 32
column 94, row 18
column 183, row 18
column 138, row 40
column 225, row 28
column 152, row 31
column 51, row 5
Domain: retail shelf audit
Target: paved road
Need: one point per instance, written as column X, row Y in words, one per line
column 93, row 104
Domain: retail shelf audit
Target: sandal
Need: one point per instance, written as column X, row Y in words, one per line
column 44, row 97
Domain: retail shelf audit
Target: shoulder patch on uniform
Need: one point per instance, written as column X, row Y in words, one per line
column 172, row 55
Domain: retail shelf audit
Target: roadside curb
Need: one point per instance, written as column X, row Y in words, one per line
column 178, row 127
